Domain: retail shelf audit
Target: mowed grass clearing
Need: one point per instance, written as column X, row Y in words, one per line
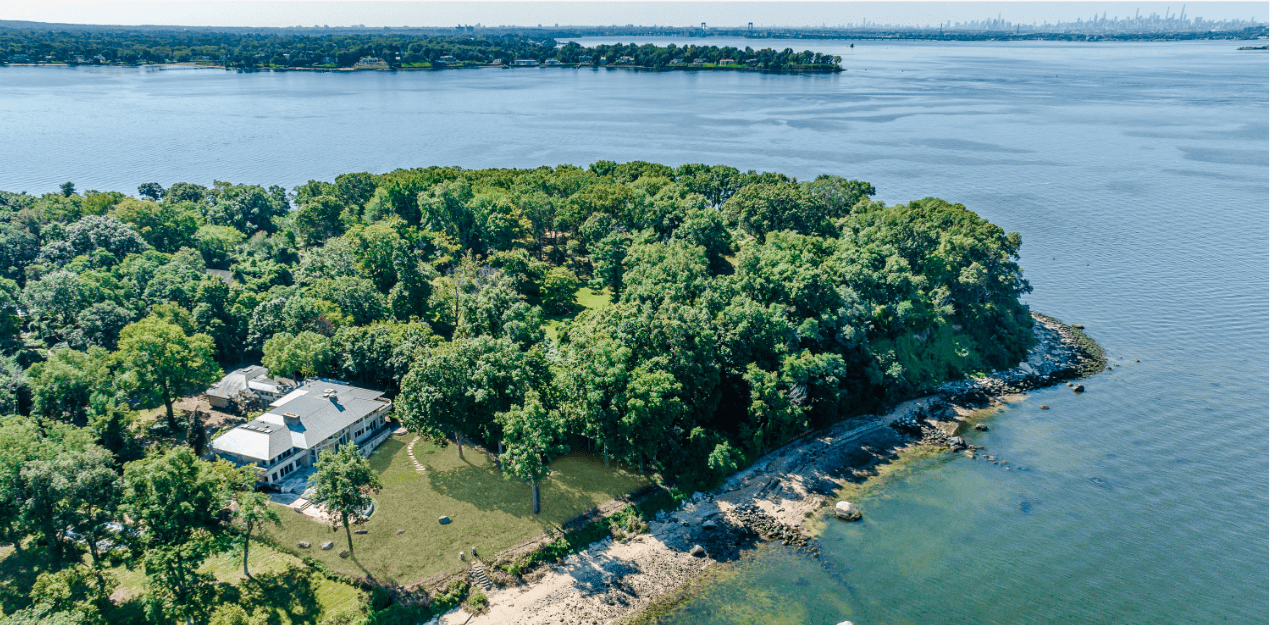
column 486, row 511
column 587, row 299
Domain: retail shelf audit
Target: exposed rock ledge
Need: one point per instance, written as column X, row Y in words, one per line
column 771, row 500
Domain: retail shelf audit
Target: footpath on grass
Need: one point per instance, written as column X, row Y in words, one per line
column 778, row 498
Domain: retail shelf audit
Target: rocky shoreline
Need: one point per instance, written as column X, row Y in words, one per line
column 778, row 498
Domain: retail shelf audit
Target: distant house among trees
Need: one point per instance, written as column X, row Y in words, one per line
column 524, row 62
column 318, row 416
column 254, row 380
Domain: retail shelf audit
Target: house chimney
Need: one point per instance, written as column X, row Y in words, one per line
column 290, row 418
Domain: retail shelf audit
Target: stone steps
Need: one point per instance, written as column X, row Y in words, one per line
column 480, row 577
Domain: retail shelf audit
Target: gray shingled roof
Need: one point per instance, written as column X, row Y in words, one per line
column 236, row 381
column 321, row 416
column 317, row 417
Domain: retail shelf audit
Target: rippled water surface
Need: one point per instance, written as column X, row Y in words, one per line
column 1136, row 173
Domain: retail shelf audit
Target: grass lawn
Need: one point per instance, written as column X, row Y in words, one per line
column 487, row 511
column 587, row 299
column 282, row 584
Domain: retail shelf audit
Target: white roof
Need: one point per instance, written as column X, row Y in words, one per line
column 259, row 440
column 317, row 410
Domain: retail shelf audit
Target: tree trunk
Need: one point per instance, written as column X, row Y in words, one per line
column 500, row 455
column 348, row 532
column 246, row 548
column 458, row 438
column 167, row 403
column 606, row 455
column 537, row 501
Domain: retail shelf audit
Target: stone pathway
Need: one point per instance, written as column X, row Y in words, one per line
column 410, row 451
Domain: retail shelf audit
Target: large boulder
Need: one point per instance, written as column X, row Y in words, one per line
column 304, row 544
column 697, row 551
column 445, row 520
column 326, row 546
column 956, row 442
column 847, row 511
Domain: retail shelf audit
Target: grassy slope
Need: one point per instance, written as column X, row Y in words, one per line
column 487, row 511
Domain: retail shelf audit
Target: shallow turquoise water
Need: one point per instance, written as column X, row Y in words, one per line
column 1136, row 173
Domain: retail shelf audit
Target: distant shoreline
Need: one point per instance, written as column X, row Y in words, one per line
column 344, row 70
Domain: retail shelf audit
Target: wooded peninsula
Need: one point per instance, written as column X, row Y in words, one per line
column 677, row 321
column 361, row 50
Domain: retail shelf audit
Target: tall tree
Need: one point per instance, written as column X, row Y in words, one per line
column 160, row 361
column 253, row 511
column 533, row 437
column 458, row 387
column 176, row 503
column 342, row 484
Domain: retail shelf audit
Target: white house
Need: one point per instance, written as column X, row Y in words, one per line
column 316, row 417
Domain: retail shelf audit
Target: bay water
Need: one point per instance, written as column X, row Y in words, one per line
column 1137, row 174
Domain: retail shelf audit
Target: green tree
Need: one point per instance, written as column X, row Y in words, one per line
column 303, row 355
column 76, row 591
column 253, row 511
column 342, row 484
column 177, row 503
column 62, row 386
column 166, row 226
column 217, row 244
column 533, row 437
column 159, row 361
column 458, row 387
column 559, row 290
column 319, row 219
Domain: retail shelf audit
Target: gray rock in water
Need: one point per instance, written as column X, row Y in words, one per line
column 445, row 520
column 981, row 427
column 697, row 551
column 326, row 546
column 1079, row 388
column 1044, row 407
column 847, row 511
column 956, row 442
column 304, row 544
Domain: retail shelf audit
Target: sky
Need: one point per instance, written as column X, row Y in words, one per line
column 595, row 12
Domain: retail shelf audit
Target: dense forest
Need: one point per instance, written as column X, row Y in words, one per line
column 735, row 310
column 393, row 50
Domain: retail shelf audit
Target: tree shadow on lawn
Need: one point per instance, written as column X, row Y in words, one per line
column 565, row 493
column 18, row 570
column 293, row 592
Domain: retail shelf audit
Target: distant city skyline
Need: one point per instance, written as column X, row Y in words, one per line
column 522, row 13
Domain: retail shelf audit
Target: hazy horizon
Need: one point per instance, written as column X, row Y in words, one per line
column 521, row 13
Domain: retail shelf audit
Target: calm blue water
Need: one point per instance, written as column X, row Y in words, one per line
column 1136, row 173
